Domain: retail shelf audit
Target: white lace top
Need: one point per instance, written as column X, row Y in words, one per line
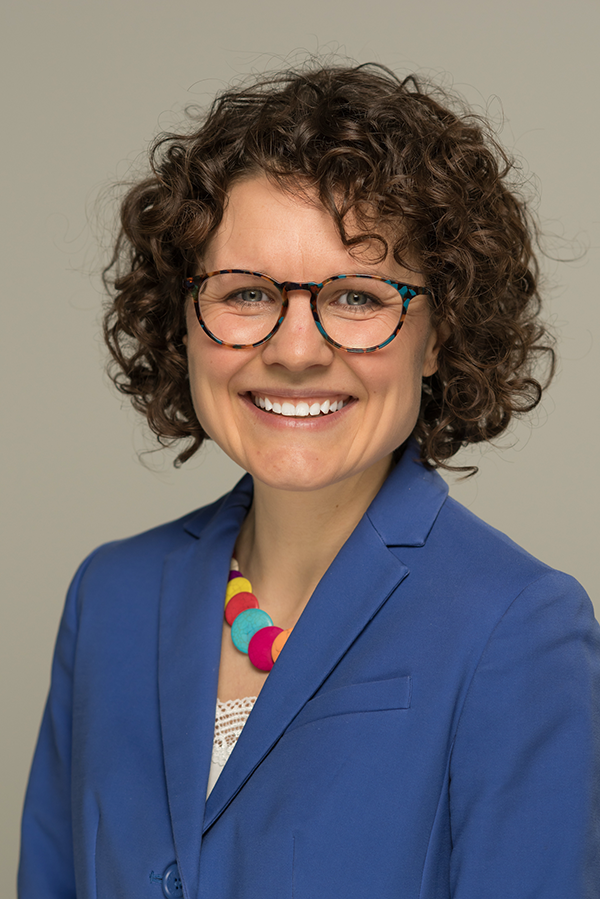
column 230, row 718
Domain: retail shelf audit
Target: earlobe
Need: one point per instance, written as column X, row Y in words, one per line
column 431, row 361
column 436, row 340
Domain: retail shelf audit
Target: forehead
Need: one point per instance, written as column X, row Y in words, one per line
column 285, row 233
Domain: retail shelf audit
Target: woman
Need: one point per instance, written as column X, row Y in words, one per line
column 331, row 278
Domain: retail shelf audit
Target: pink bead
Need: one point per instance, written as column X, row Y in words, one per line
column 259, row 648
column 239, row 603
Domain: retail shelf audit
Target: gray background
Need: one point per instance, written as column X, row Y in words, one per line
column 86, row 86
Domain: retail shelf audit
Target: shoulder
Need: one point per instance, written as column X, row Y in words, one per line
column 151, row 545
column 472, row 573
column 507, row 589
column 465, row 541
column 469, row 539
column 137, row 561
column 456, row 560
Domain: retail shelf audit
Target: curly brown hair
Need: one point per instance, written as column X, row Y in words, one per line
column 399, row 156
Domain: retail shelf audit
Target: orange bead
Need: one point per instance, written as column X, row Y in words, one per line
column 279, row 643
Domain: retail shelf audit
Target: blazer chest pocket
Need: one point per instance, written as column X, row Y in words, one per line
column 374, row 696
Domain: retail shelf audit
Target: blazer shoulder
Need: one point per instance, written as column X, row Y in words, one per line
column 147, row 550
column 469, row 536
column 484, row 567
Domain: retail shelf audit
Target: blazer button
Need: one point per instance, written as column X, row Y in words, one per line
column 171, row 882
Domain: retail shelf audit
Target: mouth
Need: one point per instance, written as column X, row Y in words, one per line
column 305, row 408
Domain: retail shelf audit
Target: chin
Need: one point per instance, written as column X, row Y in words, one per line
column 306, row 472
column 296, row 474
column 299, row 482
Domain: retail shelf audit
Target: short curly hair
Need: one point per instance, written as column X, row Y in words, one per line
column 394, row 154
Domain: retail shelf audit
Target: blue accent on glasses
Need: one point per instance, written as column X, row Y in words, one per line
column 407, row 292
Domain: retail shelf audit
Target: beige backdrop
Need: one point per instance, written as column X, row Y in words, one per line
column 86, row 86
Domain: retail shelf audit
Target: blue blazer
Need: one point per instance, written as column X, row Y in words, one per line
column 431, row 729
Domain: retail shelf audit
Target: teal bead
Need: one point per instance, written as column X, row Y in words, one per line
column 246, row 624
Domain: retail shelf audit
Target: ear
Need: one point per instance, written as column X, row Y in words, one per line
column 435, row 341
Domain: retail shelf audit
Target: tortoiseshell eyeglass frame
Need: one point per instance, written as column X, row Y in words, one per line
column 407, row 293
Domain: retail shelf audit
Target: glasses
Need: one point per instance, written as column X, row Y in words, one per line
column 355, row 313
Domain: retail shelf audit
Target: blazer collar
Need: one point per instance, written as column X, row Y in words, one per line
column 406, row 507
column 235, row 504
column 403, row 512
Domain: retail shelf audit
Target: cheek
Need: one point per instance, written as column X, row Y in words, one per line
column 394, row 387
column 205, row 379
column 397, row 376
column 212, row 373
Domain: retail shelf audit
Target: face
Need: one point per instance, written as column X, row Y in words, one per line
column 285, row 236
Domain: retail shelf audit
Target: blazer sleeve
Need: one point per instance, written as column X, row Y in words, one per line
column 46, row 865
column 525, row 766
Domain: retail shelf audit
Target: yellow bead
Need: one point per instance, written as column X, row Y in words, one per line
column 237, row 585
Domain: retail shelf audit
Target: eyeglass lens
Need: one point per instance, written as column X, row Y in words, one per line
column 354, row 312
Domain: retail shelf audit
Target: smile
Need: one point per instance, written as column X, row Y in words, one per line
column 300, row 409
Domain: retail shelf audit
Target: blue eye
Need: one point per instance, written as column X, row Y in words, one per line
column 252, row 295
column 358, row 299
column 354, row 298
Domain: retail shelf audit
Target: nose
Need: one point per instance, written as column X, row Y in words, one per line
column 298, row 344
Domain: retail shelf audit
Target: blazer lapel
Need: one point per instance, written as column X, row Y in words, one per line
column 360, row 580
column 358, row 583
column 191, row 613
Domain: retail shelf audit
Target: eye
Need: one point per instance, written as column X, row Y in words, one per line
column 357, row 298
column 251, row 295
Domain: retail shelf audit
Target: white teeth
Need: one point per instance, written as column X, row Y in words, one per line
column 298, row 410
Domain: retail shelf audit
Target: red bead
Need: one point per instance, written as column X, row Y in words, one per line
column 239, row 603
column 259, row 648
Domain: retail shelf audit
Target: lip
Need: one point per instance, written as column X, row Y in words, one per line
column 300, row 393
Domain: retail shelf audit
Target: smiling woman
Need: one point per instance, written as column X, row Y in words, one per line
column 376, row 396
column 335, row 681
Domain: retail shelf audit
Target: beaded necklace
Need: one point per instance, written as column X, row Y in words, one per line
column 252, row 630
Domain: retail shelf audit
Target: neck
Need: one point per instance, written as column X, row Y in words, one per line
column 289, row 539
